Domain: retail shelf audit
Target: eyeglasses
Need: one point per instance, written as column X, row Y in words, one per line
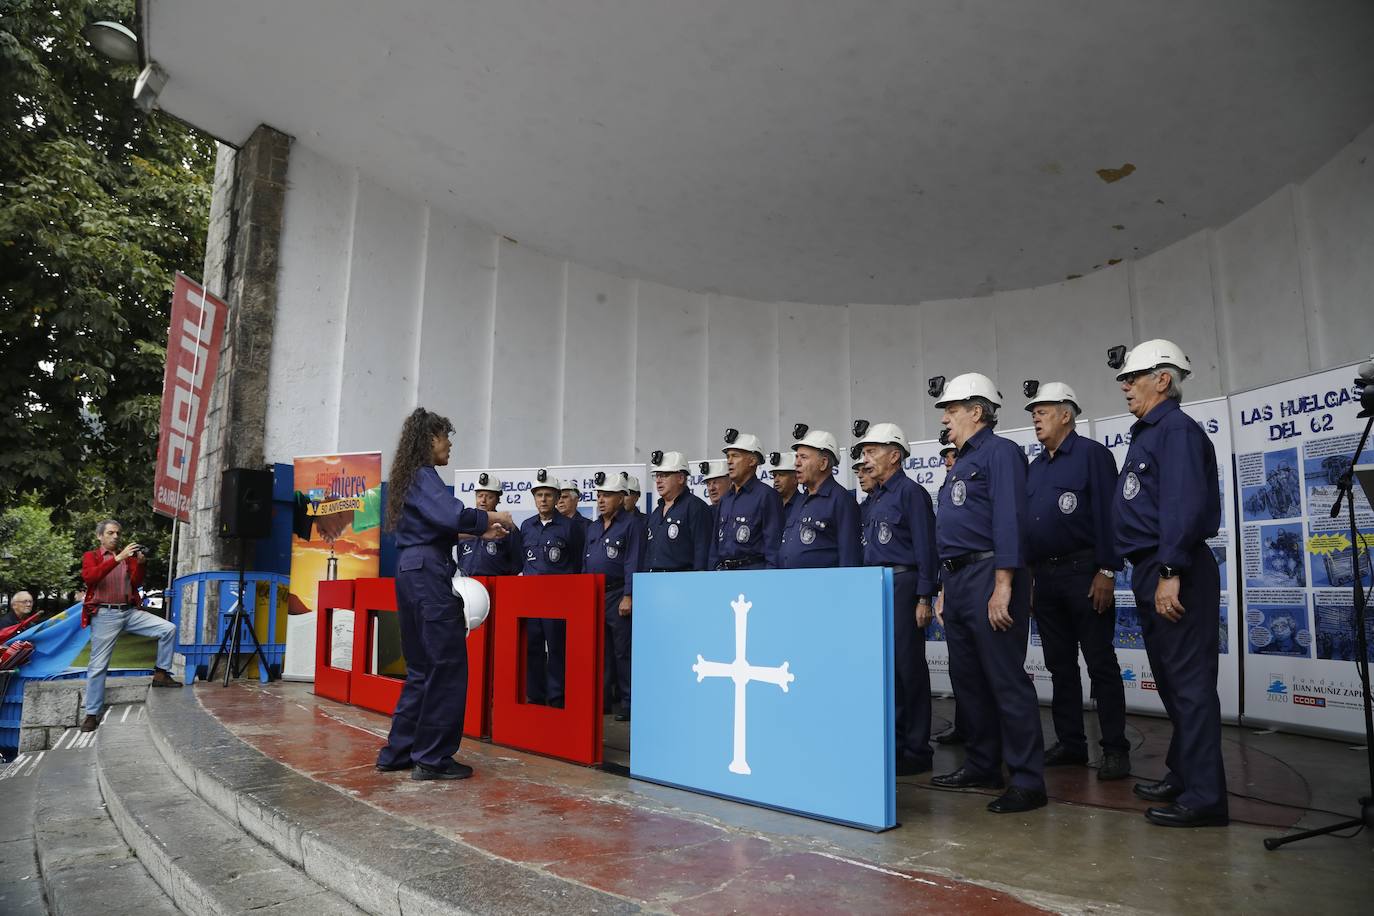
column 1134, row 377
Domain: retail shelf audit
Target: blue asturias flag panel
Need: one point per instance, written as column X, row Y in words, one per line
column 771, row 687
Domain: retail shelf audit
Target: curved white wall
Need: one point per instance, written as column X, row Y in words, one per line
column 386, row 303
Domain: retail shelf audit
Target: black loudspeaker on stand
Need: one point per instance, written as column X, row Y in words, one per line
column 245, row 507
column 1346, row 492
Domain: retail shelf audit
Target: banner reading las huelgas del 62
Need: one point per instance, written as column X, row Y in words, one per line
column 1293, row 441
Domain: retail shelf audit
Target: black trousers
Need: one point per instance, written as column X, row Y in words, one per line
column 1183, row 657
column 1068, row 623
column 910, row 672
column 999, row 711
column 618, row 644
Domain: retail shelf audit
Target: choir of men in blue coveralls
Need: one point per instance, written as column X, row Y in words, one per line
column 899, row 533
column 985, row 600
column 679, row 528
column 504, row 556
column 749, row 527
column 1073, row 558
column 615, row 549
column 1167, row 504
column 822, row 529
column 553, row 546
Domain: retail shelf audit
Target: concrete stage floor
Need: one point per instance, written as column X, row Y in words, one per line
column 1090, row 851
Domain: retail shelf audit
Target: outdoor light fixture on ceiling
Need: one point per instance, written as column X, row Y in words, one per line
column 113, row 40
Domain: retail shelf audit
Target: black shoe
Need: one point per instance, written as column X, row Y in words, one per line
column 1018, row 799
column 452, row 769
column 949, row 737
column 913, row 766
column 1177, row 815
column 1061, row 756
column 622, row 714
column 1162, row 791
column 964, row 778
column 1115, row 765
column 394, row 767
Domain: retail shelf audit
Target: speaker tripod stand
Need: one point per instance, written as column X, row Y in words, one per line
column 241, row 621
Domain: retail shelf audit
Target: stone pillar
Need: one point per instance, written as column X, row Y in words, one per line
column 241, row 261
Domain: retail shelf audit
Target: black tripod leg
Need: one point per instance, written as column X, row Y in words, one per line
column 1274, row 842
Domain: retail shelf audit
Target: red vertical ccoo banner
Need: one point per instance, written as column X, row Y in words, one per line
column 193, row 343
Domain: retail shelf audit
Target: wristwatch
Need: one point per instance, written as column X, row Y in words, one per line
column 1109, row 573
column 1167, row 572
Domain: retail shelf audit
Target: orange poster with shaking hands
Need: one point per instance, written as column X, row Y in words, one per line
column 336, row 534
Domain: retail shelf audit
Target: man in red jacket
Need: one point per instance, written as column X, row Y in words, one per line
column 112, row 578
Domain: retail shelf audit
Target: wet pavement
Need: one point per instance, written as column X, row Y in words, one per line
column 1089, row 851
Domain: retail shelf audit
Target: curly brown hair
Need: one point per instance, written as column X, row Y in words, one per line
column 414, row 451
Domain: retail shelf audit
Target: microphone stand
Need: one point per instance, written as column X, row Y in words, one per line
column 1346, row 488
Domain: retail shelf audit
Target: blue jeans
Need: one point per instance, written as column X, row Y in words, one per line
column 106, row 626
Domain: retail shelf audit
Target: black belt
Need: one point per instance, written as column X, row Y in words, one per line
column 657, row 569
column 739, row 563
column 1144, row 553
column 954, row 564
column 1068, row 558
column 898, row 568
column 614, row 584
column 119, row 606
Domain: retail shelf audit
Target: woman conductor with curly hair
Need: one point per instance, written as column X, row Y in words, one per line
column 427, row 519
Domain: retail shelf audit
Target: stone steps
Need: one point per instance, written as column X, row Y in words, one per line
column 202, row 862
column 374, row 861
column 86, row 865
column 21, row 883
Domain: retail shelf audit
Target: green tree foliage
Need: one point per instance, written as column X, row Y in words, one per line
column 34, row 555
column 99, row 205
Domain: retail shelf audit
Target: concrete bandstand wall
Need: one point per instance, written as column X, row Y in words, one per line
column 385, row 302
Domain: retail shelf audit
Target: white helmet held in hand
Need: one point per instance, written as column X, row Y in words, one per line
column 1050, row 393
column 968, row 385
column 818, row 439
column 668, row 462
column 881, row 434
column 745, row 442
column 1151, row 355
column 476, row 601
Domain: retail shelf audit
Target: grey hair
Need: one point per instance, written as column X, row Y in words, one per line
column 1175, row 392
column 104, row 523
column 989, row 409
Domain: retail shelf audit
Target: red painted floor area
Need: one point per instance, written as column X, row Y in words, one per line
column 563, row 819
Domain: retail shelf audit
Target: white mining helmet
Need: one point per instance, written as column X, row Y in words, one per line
column 489, row 482
column 745, row 442
column 668, row 462
column 783, row 462
column 712, row 468
column 1050, row 393
column 632, row 484
column 612, row 482
column 968, row 385
column 476, row 601
column 881, row 434
column 818, row 439
column 1151, row 355
column 544, row 480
